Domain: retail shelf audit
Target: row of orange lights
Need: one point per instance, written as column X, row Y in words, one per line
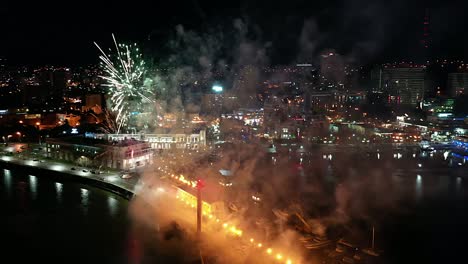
column 230, row 228
column 37, row 123
column 238, row 232
column 181, row 179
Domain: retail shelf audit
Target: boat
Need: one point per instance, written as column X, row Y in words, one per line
column 425, row 145
column 459, row 150
column 348, row 252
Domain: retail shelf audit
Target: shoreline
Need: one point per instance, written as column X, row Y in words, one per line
column 126, row 192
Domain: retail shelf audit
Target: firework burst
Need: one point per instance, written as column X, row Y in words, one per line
column 125, row 72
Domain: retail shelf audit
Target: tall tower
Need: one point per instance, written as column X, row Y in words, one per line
column 425, row 41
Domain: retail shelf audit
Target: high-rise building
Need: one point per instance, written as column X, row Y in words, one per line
column 425, row 40
column 458, row 83
column 332, row 68
column 230, row 102
column 60, row 79
column 376, row 79
column 212, row 103
column 405, row 85
column 53, row 80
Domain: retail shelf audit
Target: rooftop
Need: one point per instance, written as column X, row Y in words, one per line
column 80, row 140
column 162, row 130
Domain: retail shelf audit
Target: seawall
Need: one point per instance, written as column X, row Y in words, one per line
column 61, row 176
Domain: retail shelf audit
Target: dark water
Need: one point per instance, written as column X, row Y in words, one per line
column 46, row 221
column 417, row 204
column 416, row 201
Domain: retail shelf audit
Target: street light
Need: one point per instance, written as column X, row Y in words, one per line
column 7, row 139
column 217, row 88
column 38, row 129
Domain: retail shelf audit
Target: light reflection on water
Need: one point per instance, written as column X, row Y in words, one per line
column 65, row 216
column 458, row 185
column 7, row 181
column 84, row 199
column 58, row 191
column 444, row 184
column 419, row 187
column 113, row 205
column 33, row 186
column 329, row 174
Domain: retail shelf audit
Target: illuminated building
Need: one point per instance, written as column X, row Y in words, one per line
column 212, row 103
column 230, row 102
column 405, row 85
column 458, row 83
column 406, row 136
column 250, row 117
column 176, row 139
column 73, row 120
column 441, row 111
column 54, row 80
column 332, row 67
column 322, row 100
column 124, row 155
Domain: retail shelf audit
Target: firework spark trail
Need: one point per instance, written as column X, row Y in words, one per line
column 124, row 78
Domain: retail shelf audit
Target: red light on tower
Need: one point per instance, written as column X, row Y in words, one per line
column 425, row 41
column 200, row 184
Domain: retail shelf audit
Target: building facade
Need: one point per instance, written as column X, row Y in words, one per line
column 122, row 155
column 163, row 141
column 458, row 83
column 405, row 85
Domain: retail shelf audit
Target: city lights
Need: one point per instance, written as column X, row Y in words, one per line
column 292, row 140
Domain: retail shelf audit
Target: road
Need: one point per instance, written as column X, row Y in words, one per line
column 42, row 163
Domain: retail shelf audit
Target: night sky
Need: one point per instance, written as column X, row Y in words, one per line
column 372, row 31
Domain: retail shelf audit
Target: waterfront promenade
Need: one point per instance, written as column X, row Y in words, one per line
column 105, row 179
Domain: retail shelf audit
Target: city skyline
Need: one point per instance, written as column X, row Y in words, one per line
column 211, row 132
